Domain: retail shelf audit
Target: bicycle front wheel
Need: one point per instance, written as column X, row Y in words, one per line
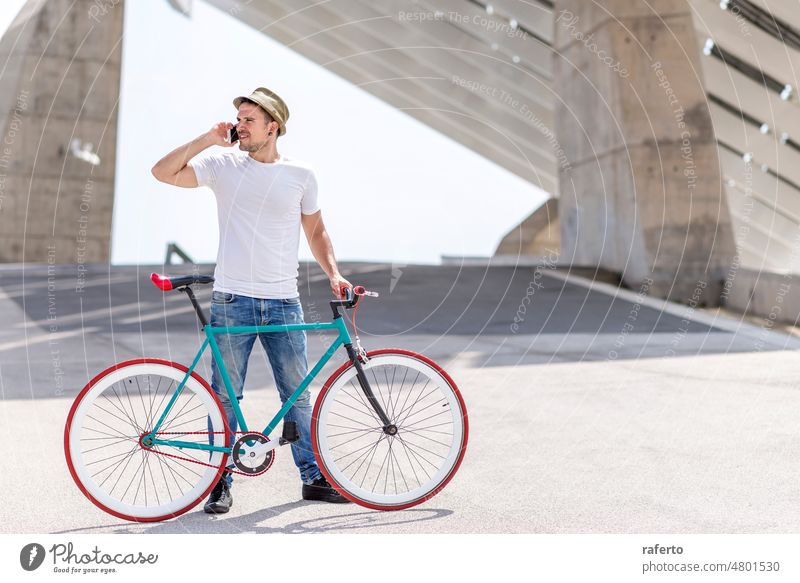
column 382, row 471
column 110, row 465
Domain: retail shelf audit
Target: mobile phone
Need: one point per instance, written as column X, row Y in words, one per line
column 233, row 135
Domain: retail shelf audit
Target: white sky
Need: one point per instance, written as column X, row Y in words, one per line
column 391, row 188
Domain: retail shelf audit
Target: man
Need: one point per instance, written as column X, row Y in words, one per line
column 262, row 199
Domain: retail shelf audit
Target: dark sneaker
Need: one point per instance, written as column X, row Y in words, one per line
column 221, row 498
column 321, row 490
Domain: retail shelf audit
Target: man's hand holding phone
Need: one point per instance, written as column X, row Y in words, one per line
column 223, row 134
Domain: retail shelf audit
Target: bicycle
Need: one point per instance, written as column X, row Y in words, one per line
column 147, row 439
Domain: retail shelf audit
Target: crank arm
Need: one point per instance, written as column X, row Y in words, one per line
column 264, row 448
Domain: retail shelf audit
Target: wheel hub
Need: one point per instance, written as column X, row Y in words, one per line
column 390, row 429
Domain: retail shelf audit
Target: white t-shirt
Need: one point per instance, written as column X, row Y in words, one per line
column 258, row 208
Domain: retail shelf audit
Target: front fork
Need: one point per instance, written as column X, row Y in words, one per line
column 355, row 355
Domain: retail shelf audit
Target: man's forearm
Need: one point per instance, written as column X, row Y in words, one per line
column 176, row 160
column 322, row 249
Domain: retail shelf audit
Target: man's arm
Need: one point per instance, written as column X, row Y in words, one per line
column 174, row 169
column 322, row 249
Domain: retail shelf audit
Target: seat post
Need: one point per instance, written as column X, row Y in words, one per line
column 197, row 307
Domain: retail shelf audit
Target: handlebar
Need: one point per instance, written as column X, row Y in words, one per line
column 351, row 298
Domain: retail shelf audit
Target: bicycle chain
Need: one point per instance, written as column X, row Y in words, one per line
column 227, row 469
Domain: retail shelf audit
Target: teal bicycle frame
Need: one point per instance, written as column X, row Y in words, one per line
column 211, row 332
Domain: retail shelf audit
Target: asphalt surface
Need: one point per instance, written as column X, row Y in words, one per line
column 590, row 411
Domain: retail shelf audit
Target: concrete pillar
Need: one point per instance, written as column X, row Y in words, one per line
column 643, row 195
column 60, row 83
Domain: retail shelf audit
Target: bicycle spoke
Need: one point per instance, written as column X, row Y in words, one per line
column 110, row 436
column 379, row 431
column 112, row 414
column 427, row 418
column 135, row 473
column 425, row 408
column 124, row 411
column 119, row 434
column 420, row 398
column 144, row 407
column 377, row 389
column 378, row 475
column 416, row 457
column 362, row 398
column 164, row 475
column 411, row 464
column 374, row 418
column 129, row 401
column 203, row 417
column 129, row 458
column 166, row 462
column 353, row 431
column 110, row 457
column 153, row 482
column 107, row 438
column 391, row 385
column 369, row 464
column 185, row 467
column 411, row 390
column 429, row 430
column 353, row 452
column 409, row 445
column 165, row 427
column 349, row 419
column 447, row 445
column 347, row 427
column 402, row 475
column 391, row 465
column 400, row 392
column 164, row 398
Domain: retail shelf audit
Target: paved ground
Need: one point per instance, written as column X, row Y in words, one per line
column 590, row 411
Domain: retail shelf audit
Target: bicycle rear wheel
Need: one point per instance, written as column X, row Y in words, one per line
column 390, row 472
column 112, row 467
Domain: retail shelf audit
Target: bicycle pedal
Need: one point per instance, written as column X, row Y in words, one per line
column 290, row 434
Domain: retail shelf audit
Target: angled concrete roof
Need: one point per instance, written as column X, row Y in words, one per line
column 480, row 71
column 448, row 63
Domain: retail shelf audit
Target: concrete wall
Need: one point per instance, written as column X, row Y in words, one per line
column 643, row 195
column 538, row 235
column 770, row 295
column 61, row 83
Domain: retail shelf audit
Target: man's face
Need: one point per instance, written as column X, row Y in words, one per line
column 252, row 127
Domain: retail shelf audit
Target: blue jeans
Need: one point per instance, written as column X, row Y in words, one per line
column 287, row 356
